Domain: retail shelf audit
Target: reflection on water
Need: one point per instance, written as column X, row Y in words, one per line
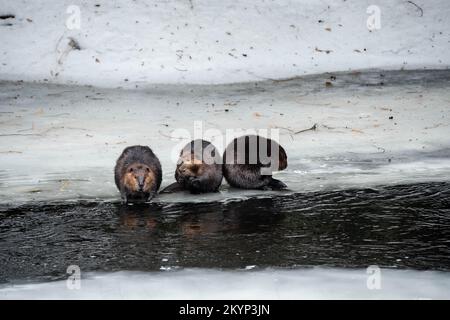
column 404, row 226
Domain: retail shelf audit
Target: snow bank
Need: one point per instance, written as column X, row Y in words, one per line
column 201, row 284
column 131, row 43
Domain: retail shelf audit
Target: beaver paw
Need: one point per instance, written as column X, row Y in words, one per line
column 195, row 183
column 151, row 196
column 277, row 184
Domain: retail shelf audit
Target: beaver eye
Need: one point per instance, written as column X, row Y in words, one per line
column 131, row 170
column 148, row 169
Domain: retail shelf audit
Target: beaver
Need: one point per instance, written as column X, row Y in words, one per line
column 137, row 174
column 246, row 167
column 199, row 168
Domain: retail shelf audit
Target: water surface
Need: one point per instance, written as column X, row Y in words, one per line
column 403, row 226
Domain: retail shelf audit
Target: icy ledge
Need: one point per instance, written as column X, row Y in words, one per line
column 372, row 128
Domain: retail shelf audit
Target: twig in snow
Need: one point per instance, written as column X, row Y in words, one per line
column 19, row 134
column 282, row 80
column 170, row 137
column 7, row 16
column 40, row 134
column 59, row 114
column 72, row 44
column 284, row 128
column 420, row 9
column 321, row 50
column 313, row 128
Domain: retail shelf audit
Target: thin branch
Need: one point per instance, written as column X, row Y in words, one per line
column 40, row 134
column 420, row 9
column 19, row 134
column 170, row 137
column 313, row 128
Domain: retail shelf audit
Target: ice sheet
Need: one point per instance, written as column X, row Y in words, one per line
column 61, row 142
column 314, row 283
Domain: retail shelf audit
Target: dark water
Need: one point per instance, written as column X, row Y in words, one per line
column 405, row 226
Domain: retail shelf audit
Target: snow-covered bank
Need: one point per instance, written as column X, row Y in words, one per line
column 316, row 283
column 61, row 142
column 133, row 43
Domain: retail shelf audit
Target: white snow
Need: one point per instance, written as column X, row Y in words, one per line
column 134, row 43
column 272, row 284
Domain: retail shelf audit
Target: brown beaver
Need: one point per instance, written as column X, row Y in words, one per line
column 138, row 174
column 249, row 161
column 199, row 168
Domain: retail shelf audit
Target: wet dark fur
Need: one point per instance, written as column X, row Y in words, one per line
column 137, row 174
column 198, row 171
column 246, row 175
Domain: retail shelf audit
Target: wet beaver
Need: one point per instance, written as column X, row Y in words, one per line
column 199, row 168
column 248, row 162
column 137, row 174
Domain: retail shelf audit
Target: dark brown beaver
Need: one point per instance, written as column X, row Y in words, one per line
column 138, row 174
column 248, row 162
column 199, row 168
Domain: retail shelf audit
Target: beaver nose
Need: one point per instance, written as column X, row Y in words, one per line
column 141, row 183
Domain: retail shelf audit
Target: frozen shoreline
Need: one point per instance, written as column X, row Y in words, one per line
column 272, row 284
column 61, row 142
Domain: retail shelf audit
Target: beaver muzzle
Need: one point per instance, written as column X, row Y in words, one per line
column 141, row 183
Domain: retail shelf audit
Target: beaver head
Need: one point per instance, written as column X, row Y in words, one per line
column 190, row 168
column 139, row 178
